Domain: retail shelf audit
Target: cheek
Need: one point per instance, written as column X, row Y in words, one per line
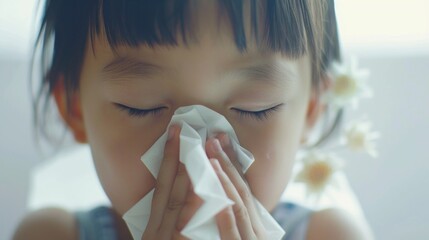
column 274, row 148
column 117, row 143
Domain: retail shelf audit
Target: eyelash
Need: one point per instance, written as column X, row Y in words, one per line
column 134, row 112
column 257, row 115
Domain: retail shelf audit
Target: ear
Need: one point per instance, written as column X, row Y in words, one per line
column 71, row 114
column 316, row 108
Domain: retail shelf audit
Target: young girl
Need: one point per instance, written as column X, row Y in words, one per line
column 118, row 71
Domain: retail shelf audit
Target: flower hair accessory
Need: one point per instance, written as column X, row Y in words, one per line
column 317, row 172
column 349, row 84
column 359, row 137
column 318, row 169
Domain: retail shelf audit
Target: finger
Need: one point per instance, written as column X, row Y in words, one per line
column 193, row 203
column 228, row 162
column 178, row 236
column 165, row 180
column 226, row 223
column 227, row 156
column 176, row 201
column 231, row 152
column 242, row 218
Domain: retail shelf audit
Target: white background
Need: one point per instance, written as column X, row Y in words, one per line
column 391, row 38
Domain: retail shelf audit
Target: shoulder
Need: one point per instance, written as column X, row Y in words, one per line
column 337, row 224
column 47, row 223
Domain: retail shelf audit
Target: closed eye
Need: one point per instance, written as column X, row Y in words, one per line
column 258, row 115
column 135, row 112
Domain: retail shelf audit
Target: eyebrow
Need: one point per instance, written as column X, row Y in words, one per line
column 263, row 71
column 126, row 67
column 267, row 72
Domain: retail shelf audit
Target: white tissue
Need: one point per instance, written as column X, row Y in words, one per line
column 197, row 124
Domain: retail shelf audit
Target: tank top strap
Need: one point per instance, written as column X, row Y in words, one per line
column 293, row 218
column 96, row 224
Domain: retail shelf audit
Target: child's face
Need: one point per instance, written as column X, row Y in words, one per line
column 211, row 72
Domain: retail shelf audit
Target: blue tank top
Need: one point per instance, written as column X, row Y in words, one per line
column 99, row 223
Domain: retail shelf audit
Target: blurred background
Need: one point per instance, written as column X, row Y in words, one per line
column 390, row 37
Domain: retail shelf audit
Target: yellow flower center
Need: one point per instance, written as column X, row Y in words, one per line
column 357, row 140
column 344, row 85
column 319, row 173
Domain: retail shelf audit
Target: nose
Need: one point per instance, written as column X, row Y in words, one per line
column 207, row 92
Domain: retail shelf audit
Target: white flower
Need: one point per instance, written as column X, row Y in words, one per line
column 358, row 137
column 317, row 172
column 348, row 84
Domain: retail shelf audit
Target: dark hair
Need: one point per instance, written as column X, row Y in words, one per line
column 293, row 27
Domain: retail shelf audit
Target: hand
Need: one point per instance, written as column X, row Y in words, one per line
column 174, row 201
column 241, row 220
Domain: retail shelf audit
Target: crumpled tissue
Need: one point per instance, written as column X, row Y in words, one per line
column 198, row 123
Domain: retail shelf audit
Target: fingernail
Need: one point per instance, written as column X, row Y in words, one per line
column 171, row 131
column 224, row 140
column 216, row 145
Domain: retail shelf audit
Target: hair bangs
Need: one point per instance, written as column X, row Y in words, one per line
column 275, row 25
